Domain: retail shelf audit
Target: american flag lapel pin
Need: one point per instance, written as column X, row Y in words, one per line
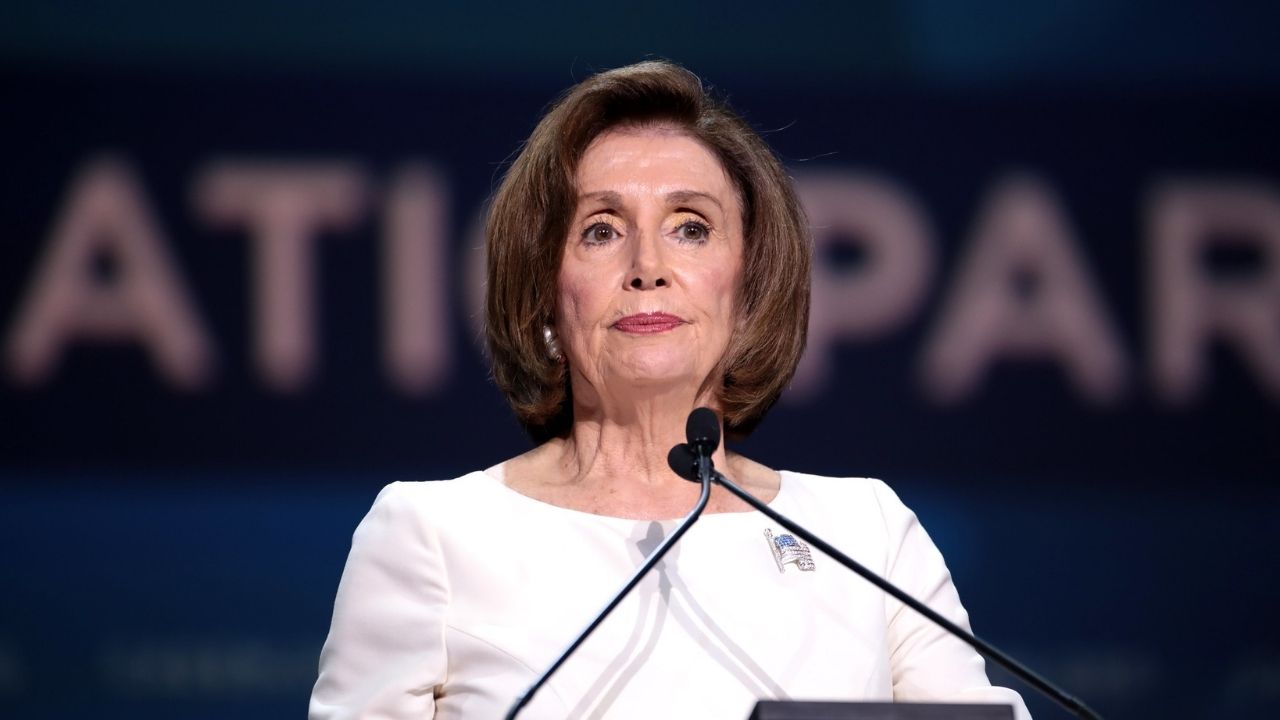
column 787, row 549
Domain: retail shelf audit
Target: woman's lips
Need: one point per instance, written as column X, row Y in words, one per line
column 648, row 323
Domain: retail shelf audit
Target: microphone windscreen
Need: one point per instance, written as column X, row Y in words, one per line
column 683, row 462
column 703, row 428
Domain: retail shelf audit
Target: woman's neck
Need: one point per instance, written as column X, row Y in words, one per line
column 612, row 465
column 600, row 449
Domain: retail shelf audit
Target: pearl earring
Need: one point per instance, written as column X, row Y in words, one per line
column 553, row 343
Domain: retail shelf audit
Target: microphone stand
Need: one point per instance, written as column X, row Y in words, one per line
column 643, row 570
column 1067, row 701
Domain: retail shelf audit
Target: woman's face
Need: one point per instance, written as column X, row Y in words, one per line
column 651, row 264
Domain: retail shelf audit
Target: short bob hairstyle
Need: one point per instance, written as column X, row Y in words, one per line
column 528, row 224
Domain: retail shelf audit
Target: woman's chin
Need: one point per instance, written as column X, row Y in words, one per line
column 656, row 374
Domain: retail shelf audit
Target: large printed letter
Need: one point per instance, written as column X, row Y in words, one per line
column 106, row 221
column 1189, row 306
column 1022, row 291
column 415, row 294
column 885, row 289
column 285, row 208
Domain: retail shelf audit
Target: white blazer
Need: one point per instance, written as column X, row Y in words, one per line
column 457, row 594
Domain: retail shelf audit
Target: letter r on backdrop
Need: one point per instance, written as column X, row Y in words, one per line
column 1190, row 305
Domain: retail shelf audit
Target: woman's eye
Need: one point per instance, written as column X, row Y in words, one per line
column 599, row 233
column 693, row 231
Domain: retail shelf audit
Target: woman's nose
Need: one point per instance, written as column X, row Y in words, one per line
column 648, row 266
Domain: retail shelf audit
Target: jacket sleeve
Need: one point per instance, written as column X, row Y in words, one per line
column 929, row 664
column 385, row 654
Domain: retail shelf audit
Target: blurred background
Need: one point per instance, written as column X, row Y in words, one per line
column 238, row 283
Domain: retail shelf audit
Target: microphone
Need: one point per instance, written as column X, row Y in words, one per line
column 693, row 462
column 702, row 429
column 705, row 441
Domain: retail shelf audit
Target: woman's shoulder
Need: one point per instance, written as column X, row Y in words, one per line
column 850, row 485
column 843, row 494
column 437, row 499
column 462, row 484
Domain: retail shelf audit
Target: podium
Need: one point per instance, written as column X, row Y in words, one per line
column 797, row 710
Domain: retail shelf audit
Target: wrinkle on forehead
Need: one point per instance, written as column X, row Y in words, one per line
column 659, row 130
column 609, row 197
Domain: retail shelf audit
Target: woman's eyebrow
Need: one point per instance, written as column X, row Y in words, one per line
column 683, row 196
column 608, row 197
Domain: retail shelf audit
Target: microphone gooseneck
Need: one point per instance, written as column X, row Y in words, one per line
column 703, row 458
column 988, row 650
column 692, row 461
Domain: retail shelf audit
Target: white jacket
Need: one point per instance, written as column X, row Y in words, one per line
column 457, row 594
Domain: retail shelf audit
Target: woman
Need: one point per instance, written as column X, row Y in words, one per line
column 646, row 255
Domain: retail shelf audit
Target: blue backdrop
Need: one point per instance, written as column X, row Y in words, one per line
column 187, row 446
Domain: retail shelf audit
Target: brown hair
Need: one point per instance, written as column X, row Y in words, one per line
column 528, row 222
